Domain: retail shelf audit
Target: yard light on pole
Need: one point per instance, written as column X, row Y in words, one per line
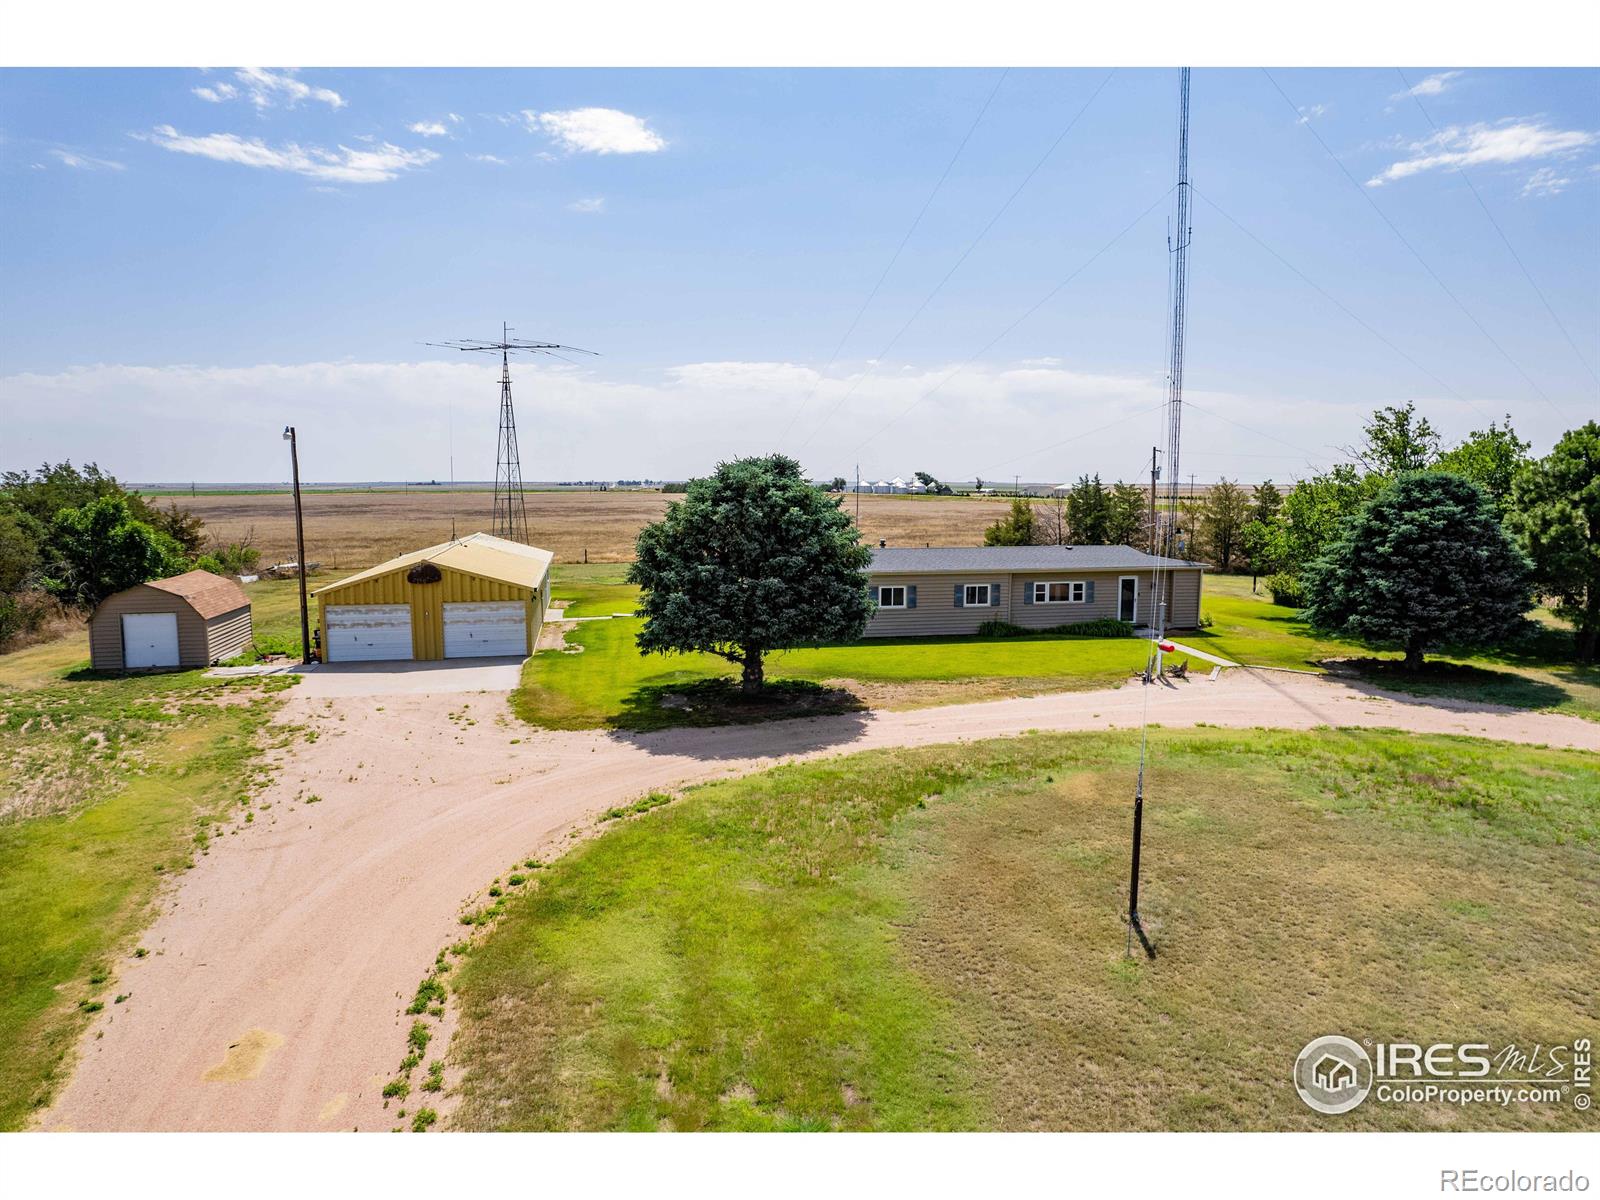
column 299, row 545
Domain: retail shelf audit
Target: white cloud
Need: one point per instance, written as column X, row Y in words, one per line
column 393, row 420
column 596, row 131
column 490, row 158
column 1431, row 86
column 82, row 162
column 588, row 204
column 1545, row 182
column 1310, row 112
column 1511, row 141
column 268, row 89
column 429, row 128
column 377, row 163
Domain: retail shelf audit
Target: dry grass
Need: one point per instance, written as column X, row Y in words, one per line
column 930, row 938
column 356, row 529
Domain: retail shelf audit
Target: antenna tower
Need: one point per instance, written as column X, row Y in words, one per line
column 510, row 510
column 1165, row 543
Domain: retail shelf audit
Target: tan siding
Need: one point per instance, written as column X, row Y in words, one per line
column 228, row 634
column 936, row 611
column 105, row 627
column 1185, row 600
column 936, row 614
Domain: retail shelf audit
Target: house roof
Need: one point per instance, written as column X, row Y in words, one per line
column 476, row 554
column 907, row 560
column 209, row 595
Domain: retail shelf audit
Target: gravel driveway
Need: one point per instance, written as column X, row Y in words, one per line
column 279, row 966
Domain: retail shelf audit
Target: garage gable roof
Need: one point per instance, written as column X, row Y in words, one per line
column 209, row 595
column 476, row 554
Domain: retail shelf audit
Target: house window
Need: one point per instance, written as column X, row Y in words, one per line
column 975, row 595
column 891, row 597
column 1059, row 593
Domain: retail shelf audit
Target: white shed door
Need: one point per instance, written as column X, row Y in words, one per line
column 485, row 630
column 368, row 632
column 150, row 640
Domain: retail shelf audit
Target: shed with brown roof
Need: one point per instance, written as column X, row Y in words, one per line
column 191, row 620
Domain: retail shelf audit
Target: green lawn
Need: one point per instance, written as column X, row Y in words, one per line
column 931, row 938
column 609, row 683
column 1250, row 629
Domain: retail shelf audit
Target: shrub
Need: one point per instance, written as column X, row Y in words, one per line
column 22, row 614
column 1286, row 590
column 423, row 1119
column 1101, row 627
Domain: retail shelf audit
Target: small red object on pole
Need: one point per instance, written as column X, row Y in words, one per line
column 1165, row 647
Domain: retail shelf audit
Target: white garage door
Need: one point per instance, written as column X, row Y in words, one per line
column 368, row 632
column 485, row 630
column 150, row 640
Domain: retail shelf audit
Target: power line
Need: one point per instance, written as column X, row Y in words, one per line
column 1335, row 301
column 1366, row 195
column 895, row 257
column 1310, row 454
column 1035, row 307
column 1517, row 258
column 938, row 287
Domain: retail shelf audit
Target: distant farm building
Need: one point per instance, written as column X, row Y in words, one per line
column 954, row 590
column 190, row 620
column 476, row 597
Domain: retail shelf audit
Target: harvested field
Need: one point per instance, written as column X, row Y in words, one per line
column 356, row 529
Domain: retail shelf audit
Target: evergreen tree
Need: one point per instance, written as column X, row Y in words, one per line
column 1088, row 512
column 1426, row 564
column 1019, row 527
column 1126, row 514
column 1555, row 514
column 753, row 559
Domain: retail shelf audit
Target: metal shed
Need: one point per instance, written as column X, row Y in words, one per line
column 476, row 597
column 190, row 620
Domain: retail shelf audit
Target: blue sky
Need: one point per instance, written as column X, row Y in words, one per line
column 193, row 259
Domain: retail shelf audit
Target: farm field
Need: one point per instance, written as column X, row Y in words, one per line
column 350, row 530
column 931, row 938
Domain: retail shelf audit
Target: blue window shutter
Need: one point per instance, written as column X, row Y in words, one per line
column 874, row 592
column 1027, row 593
column 1088, row 592
column 994, row 595
column 960, row 596
column 911, row 595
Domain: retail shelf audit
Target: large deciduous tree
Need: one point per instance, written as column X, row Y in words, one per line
column 1490, row 458
column 1426, row 564
column 103, row 548
column 1397, row 440
column 1555, row 514
column 753, row 559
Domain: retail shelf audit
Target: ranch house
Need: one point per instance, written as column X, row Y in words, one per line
column 954, row 590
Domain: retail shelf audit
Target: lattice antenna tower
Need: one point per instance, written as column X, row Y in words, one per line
column 510, row 509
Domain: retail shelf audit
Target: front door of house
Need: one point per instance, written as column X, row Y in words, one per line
column 1128, row 600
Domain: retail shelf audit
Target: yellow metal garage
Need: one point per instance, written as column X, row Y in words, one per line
column 475, row 597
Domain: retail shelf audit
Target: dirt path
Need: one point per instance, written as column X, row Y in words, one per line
column 272, row 994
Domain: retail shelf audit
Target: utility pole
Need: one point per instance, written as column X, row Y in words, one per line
column 299, row 545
